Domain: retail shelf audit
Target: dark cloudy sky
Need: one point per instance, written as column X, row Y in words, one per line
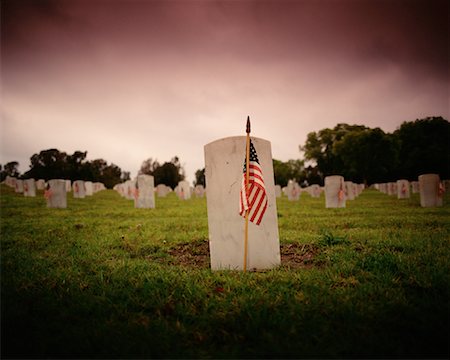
column 129, row 80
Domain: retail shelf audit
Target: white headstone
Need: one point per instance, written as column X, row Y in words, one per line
column 224, row 160
column 349, row 190
column 89, row 188
column 184, row 190
column 431, row 190
column 334, row 191
column 29, row 188
column 40, row 184
column 415, row 187
column 199, row 191
column 144, row 195
column 79, row 190
column 277, row 191
column 19, row 186
column 314, row 190
column 56, row 194
column 162, row 190
column 293, row 190
column 403, row 189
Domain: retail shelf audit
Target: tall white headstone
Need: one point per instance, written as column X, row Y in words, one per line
column 184, row 190
column 79, row 191
column 56, row 194
column 29, row 188
column 431, row 190
column 144, row 194
column 403, row 189
column 334, row 191
column 224, row 160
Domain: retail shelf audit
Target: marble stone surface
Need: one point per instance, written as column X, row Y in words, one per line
column 224, row 160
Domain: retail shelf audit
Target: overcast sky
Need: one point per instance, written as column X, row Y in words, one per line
column 129, row 80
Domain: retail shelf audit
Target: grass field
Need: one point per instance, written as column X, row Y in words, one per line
column 101, row 279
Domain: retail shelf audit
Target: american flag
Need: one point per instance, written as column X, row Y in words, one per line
column 255, row 200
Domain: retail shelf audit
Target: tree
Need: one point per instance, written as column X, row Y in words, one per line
column 368, row 156
column 285, row 171
column 424, row 147
column 10, row 169
column 53, row 164
column 200, row 177
column 48, row 164
column 149, row 166
column 169, row 173
column 319, row 147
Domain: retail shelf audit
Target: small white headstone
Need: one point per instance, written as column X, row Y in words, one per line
column 68, row 186
column 293, row 190
column 19, row 186
column 89, row 188
column 184, row 190
column 162, row 190
column 277, row 191
column 334, row 191
column 29, row 188
column 415, row 187
column 349, row 190
column 199, row 191
column 224, row 160
column 56, row 194
column 144, row 195
column 431, row 190
column 79, row 190
column 40, row 184
column 403, row 189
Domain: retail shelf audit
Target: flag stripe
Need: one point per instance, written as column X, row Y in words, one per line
column 253, row 199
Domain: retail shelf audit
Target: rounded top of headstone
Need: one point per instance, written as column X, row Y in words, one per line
column 236, row 138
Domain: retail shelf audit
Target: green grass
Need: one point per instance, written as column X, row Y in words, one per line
column 101, row 279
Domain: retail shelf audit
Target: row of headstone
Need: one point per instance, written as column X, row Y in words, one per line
column 55, row 190
column 429, row 186
column 141, row 190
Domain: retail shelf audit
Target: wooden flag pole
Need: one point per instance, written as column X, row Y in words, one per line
column 247, row 162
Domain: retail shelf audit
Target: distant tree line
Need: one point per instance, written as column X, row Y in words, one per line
column 366, row 155
column 169, row 173
column 54, row 164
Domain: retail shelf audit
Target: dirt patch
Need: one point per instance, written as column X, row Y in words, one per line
column 197, row 255
column 191, row 254
column 298, row 255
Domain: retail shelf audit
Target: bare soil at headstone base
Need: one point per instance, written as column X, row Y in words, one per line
column 197, row 255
